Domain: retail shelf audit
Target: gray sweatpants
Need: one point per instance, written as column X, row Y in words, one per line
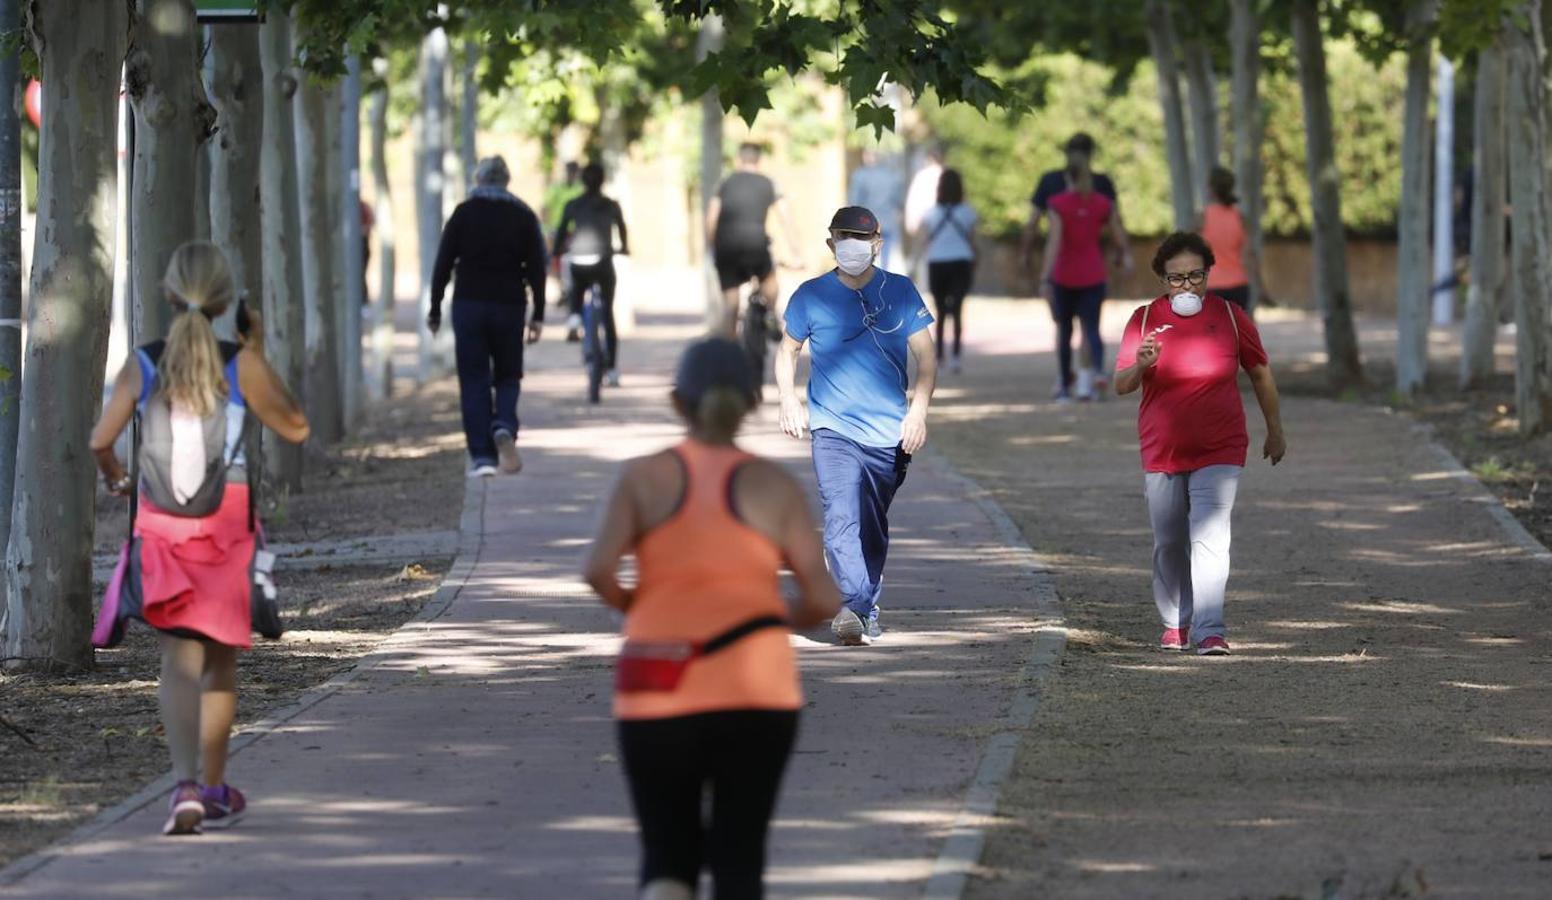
column 1190, row 515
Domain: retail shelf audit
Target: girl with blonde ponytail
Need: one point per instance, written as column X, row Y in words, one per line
column 195, row 584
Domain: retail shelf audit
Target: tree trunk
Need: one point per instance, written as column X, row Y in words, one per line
column 1530, row 269
column 173, row 119
column 81, row 46
column 10, row 279
column 1162, row 45
column 1202, row 85
column 1343, row 366
column 354, row 272
column 468, row 113
column 237, row 89
column 1413, row 277
column 387, row 251
column 284, row 321
column 712, row 116
column 317, row 105
column 1249, row 124
column 433, row 182
column 1485, row 292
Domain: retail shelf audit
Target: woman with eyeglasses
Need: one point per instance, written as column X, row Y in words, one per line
column 1185, row 351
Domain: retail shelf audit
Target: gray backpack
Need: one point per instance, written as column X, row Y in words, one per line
column 225, row 433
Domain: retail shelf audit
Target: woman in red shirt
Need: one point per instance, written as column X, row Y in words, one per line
column 1185, row 352
column 1073, row 278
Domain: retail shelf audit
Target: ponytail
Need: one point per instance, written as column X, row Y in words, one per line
column 721, row 411
column 199, row 286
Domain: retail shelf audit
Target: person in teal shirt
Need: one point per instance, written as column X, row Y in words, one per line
column 863, row 326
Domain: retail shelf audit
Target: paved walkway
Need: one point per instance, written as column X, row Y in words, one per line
column 477, row 758
column 1384, row 728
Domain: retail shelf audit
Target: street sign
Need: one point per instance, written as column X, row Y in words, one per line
column 212, row 12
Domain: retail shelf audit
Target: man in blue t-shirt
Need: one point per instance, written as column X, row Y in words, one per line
column 860, row 323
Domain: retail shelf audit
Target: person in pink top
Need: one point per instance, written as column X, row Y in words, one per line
column 1073, row 275
column 1185, row 351
column 1223, row 228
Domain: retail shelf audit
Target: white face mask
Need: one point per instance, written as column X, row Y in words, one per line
column 1186, row 303
column 853, row 256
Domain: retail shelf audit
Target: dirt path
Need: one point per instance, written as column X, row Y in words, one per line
column 478, row 757
column 1385, row 726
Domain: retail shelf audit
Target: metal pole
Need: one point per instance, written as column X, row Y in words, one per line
column 355, row 263
column 1444, row 199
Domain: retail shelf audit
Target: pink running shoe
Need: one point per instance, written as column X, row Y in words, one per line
column 1176, row 639
column 224, row 806
column 1213, row 646
column 185, row 810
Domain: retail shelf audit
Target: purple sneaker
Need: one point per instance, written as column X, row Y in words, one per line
column 185, row 809
column 224, row 805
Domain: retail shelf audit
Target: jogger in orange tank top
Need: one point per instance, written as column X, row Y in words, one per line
column 711, row 527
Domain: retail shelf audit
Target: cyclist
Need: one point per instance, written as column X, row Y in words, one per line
column 735, row 227
column 586, row 236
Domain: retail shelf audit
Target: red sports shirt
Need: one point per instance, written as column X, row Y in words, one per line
column 1192, row 415
column 1079, row 260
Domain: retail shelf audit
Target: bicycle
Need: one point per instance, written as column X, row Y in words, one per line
column 761, row 328
column 595, row 350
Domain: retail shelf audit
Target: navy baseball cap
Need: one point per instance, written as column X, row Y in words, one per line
column 854, row 218
column 713, row 363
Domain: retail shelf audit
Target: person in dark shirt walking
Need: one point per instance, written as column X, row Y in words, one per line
column 586, row 235
column 495, row 244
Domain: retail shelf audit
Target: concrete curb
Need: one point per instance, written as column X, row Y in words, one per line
column 967, row 838
column 1512, row 529
column 471, row 542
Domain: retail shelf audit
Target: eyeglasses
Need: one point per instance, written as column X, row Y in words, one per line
column 1179, row 279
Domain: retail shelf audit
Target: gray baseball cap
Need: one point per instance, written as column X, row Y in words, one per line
column 713, row 363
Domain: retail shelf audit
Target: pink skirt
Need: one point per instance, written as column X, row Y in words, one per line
column 195, row 573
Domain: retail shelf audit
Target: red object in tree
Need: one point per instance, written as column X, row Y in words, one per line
column 33, row 100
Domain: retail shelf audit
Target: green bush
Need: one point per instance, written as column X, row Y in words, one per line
column 1001, row 158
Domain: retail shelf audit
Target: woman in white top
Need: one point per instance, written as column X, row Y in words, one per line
column 948, row 232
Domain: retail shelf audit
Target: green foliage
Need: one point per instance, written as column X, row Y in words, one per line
column 858, row 44
column 1002, row 156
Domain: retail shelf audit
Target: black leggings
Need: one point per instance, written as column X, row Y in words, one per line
column 740, row 755
column 949, row 283
column 582, row 280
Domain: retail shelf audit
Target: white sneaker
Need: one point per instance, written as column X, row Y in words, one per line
column 1085, row 389
column 954, row 366
column 482, row 470
column 614, row 377
column 574, row 322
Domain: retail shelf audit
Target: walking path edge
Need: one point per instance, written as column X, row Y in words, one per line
column 967, row 838
column 470, row 543
column 1513, row 529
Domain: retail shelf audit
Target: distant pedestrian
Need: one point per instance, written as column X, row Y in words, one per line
column 586, row 235
column 880, row 188
column 862, row 326
column 494, row 242
column 195, row 537
column 922, row 196
column 706, row 690
column 560, row 193
column 1223, row 228
column 1185, row 352
column 948, row 234
column 1073, row 275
